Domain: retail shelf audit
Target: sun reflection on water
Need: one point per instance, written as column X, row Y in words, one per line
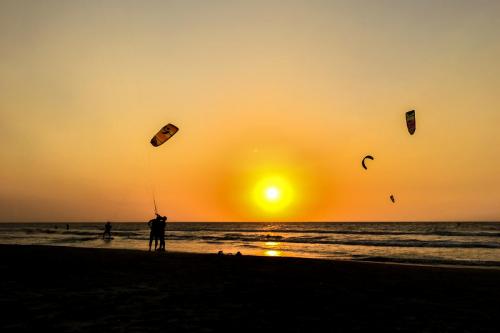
column 272, row 253
column 273, row 250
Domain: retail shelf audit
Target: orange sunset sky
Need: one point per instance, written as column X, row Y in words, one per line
column 277, row 103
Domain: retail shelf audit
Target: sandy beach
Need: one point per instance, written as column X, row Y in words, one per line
column 81, row 290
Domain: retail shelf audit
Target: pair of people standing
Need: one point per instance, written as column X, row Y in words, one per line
column 157, row 226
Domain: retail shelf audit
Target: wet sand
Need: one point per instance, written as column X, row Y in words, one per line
column 83, row 290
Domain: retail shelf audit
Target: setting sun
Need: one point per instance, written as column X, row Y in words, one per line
column 274, row 194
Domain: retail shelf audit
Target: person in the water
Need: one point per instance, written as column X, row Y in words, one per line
column 107, row 230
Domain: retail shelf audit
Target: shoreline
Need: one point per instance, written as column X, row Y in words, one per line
column 470, row 245
column 87, row 289
column 382, row 260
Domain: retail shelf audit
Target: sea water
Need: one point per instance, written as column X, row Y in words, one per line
column 469, row 243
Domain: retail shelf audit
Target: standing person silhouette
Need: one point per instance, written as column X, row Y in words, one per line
column 153, row 234
column 161, row 231
column 107, row 230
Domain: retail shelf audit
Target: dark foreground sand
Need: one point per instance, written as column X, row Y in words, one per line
column 82, row 290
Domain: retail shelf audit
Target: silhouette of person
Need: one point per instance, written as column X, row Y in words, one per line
column 67, row 226
column 107, row 230
column 153, row 234
column 162, row 223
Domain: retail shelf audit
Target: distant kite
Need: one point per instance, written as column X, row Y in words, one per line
column 164, row 134
column 392, row 198
column 363, row 161
column 411, row 122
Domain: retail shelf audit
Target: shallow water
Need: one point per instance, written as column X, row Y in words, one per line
column 476, row 243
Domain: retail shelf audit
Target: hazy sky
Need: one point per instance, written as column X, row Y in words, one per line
column 290, row 92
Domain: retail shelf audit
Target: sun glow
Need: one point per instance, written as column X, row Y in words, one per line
column 273, row 194
column 275, row 184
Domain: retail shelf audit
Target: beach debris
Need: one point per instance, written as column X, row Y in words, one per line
column 221, row 253
column 411, row 121
column 165, row 133
column 392, row 198
column 369, row 157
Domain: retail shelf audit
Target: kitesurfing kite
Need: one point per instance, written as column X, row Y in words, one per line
column 164, row 134
column 363, row 161
column 411, row 122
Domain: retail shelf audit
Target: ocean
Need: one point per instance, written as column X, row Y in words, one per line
column 464, row 243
